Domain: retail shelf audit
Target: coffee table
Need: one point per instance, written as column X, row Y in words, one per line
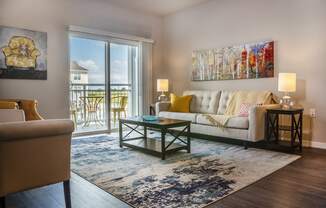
column 158, row 147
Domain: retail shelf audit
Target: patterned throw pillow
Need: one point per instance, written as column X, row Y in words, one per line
column 244, row 109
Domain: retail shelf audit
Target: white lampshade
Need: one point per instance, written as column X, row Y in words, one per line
column 287, row 82
column 162, row 85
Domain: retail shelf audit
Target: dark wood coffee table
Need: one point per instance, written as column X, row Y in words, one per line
column 158, row 147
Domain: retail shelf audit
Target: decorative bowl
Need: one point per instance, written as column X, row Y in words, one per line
column 150, row 118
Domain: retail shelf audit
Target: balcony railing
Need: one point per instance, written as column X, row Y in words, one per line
column 88, row 105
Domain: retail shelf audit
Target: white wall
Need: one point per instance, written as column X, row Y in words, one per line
column 53, row 17
column 297, row 26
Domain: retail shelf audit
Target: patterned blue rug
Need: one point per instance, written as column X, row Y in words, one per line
column 210, row 172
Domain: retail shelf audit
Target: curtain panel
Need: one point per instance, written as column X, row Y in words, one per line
column 146, row 79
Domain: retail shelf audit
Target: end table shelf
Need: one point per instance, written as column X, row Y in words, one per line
column 273, row 127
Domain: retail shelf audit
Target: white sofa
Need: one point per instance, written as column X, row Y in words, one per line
column 249, row 128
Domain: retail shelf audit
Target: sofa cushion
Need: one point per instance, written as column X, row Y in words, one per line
column 225, row 95
column 234, row 122
column 204, row 101
column 181, row 116
column 11, row 115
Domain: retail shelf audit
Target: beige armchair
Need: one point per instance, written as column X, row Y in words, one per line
column 28, row 106
column 33, row 154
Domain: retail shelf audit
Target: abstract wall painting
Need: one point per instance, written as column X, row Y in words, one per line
column 23, row 54
column 248, row 61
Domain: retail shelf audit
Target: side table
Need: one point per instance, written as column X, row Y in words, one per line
column 273, row 127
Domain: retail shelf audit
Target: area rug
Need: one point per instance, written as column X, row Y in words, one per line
column 210, row 172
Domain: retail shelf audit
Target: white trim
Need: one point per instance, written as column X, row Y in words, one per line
column 79, row 29
column 320, row 145
column 90, row 133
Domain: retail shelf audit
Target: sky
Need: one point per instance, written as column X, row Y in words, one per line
column 90, row 54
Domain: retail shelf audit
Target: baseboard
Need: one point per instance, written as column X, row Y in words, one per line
column 309, row 143
column 320, row 145
column 79, row 134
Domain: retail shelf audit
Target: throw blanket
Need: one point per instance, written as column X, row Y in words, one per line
column 234, row 102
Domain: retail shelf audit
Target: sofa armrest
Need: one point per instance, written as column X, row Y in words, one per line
column 35, row 129
column 162, row 106
column 257, row 121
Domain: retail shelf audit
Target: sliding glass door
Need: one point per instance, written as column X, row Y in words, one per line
column 123, row 81
column 103, row 82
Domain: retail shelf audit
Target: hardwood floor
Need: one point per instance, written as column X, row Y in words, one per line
column 300, row 184
column 83, row 195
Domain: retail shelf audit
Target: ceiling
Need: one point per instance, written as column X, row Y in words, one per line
column 156, row 7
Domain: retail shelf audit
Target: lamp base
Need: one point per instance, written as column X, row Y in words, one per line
column 286, row 102
column 162, row 97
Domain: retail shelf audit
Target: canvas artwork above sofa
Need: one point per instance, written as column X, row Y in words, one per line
column 206, row 106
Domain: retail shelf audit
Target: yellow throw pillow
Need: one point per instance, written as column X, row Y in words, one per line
column 180, row 104
column 8, row 105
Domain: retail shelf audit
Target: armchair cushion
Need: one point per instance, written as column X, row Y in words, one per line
column 11, row 115
column 35, row 129
column 8, row 105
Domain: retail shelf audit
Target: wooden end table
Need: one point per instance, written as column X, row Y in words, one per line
column 272, row 126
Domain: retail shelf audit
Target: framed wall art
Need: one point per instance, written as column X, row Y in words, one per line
column 248, row 61
column 23, row 54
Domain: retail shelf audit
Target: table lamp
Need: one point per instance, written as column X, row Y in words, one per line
column 162, row 86
column 287, row 84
